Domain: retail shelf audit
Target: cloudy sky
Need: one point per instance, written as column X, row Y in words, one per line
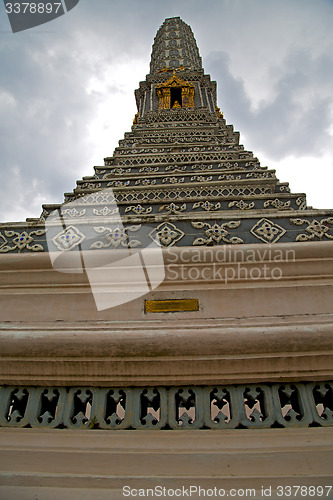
column 67, row 89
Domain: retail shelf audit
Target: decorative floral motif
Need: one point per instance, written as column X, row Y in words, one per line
column 105, row 211
column 301, row 203
column 201, row 178
column 43, row 216
column 149, row 170
column 117, row 171
column 202, row 167
column 138, row 209
column 261, row 175
column 68, row 238
column 285, row 188
column 229, row 177
column 3, row 241
column 280, row 205
column 21, row 241
column 118, row 183
column 267, row 231
column 116, row 237
column 315, row 229
column 145, row 182
column 206, row 205
column 172, row 208
column 241, row 204
column 72, row 212
column 175, row 168
column 229, row 165
column 89, row 185
column 216, row 233
column 166, row 234
column 173, row 180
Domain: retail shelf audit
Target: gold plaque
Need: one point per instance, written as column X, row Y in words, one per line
column 171, row 305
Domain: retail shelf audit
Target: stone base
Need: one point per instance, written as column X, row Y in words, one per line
column 244, row 331
column 54, row 464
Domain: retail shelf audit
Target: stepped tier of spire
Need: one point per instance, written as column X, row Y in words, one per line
column 181, row 170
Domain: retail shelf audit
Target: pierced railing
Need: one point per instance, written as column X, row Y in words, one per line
column 215, row 407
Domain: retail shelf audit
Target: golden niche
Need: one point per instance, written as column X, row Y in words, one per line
column 175, row 93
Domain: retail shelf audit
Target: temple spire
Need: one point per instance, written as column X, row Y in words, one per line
column 176, row 79
column 174, row 47
column 180, row 175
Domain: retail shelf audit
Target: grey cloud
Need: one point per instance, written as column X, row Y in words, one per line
column 287, row 124
column 45, row 111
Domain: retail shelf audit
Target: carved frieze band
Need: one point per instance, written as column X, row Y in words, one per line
column 21, row 240
column 177, row 408
column 111, row 233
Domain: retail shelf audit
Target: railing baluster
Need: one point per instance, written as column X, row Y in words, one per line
column 182, row 408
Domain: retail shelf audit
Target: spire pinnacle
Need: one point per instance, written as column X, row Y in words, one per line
column 174, row 46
